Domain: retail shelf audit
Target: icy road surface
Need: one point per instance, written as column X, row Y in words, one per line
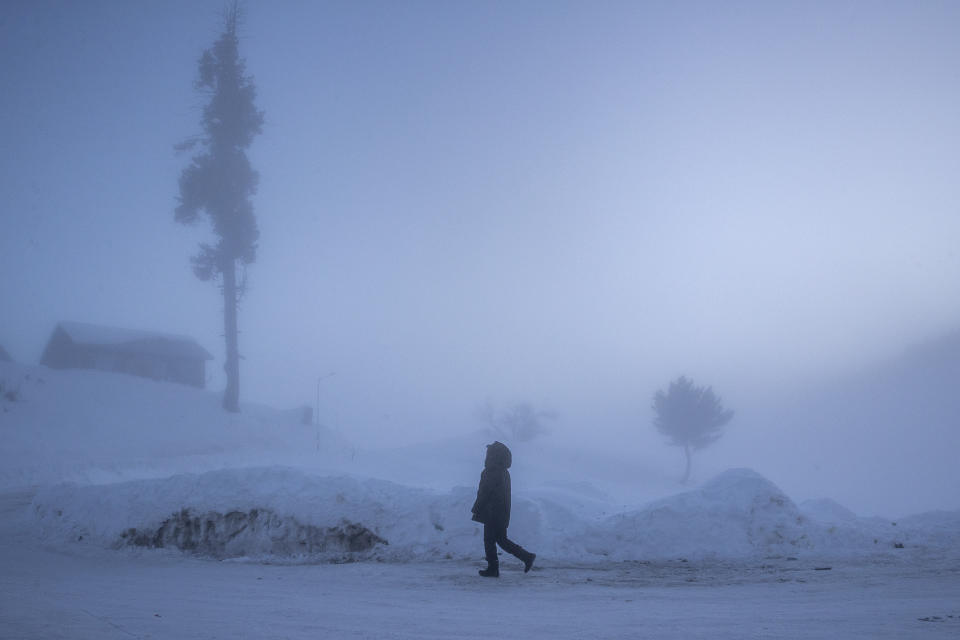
column 85, row 592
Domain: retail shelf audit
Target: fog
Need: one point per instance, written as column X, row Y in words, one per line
column 556, row 203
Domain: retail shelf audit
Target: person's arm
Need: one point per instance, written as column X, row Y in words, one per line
column 480, row 505
column 487, row 488
column 506, row 497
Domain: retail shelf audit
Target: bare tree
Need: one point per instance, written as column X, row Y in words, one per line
column 219, row 181
column 691, row 417
column 519, row 422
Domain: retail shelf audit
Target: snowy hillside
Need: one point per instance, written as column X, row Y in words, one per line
column 96, row 427
column 92, row 426
column 883, row 437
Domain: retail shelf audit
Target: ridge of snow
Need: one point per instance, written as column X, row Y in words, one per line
column 738, row 514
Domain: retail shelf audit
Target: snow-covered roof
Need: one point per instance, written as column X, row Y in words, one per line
column 134, row 340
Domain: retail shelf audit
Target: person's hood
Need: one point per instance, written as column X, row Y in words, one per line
column 498, row 455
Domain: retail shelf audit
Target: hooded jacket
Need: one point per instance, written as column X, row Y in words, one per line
column 492, row 506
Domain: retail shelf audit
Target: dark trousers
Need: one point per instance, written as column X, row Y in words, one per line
column 494, row 535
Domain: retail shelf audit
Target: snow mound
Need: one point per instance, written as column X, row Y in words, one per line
column 737, row 514
column 827, row 510
column 741, row 514
column 932, row 531
column 279, row 506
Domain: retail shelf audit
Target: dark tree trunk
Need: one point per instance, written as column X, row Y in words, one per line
column 231, row 396
column 686, row 474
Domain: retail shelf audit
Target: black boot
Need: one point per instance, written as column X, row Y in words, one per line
column 490, row 572
column 528, row 563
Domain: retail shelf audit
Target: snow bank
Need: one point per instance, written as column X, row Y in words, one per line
column 412, row 522
column 742, row 514
column 282, row 513
column 738, row 513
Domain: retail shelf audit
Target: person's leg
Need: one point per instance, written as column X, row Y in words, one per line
column 490, row 549
column 513, row 548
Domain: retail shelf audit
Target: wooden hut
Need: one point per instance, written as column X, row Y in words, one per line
column 78, row 345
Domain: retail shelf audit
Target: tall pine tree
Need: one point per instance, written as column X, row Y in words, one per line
column 220, row 181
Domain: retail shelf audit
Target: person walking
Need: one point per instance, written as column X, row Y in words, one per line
column 492, row 509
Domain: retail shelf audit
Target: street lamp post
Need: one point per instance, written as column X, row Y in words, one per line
column 319, row 380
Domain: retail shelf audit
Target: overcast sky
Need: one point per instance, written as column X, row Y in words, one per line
column 568, row 203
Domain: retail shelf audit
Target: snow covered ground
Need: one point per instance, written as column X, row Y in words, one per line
column 135, row 508
column 52, row 591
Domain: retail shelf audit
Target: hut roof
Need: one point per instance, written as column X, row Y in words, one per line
column 135, row 341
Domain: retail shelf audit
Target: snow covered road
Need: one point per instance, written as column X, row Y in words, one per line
column 51, row 595
column 88, row 592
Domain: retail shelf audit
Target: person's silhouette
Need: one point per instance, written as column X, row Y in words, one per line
column 492, row 508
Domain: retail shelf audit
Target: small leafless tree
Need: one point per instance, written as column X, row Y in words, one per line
column 518, row 422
